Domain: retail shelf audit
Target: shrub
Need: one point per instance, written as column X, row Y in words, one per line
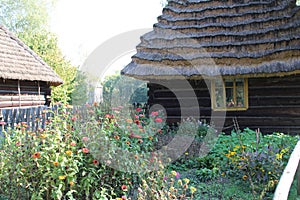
column 258, row 159
column 83, row 153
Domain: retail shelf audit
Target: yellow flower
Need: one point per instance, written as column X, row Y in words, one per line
column 232, row 153
column 227, row 155
column 245, row 177
column 223, row 174
column 172, row 189
column 186, row 180
column 236, row 147
column 193, row 189
column 43, row 136
column 61, row 177
column 174, row 173
column 69, row 152
column 279, row 156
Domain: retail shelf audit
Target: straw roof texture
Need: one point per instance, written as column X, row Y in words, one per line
column 19, row 62
column 220, row 37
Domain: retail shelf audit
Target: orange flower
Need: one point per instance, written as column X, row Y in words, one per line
column 85, row 150
column 150, row 138
column 36, row 155
column 124, row 187
column 136, row 157
column 71, row 183
column 69, row 152
column 55, row 163
column 127, row 142
column 116, row 137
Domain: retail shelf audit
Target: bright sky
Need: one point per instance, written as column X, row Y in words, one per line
column 83, row 25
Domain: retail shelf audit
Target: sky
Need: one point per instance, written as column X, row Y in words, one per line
column 82, row 25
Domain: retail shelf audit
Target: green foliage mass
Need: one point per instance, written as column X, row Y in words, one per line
column 131, row 90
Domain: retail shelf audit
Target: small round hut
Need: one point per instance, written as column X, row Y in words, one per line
column 241, row 57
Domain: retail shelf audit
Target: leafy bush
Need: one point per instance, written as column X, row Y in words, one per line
column 259, row 159
column 75, row 156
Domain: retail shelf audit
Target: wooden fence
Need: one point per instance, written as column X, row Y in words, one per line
column 290, row 173
column 35, row 117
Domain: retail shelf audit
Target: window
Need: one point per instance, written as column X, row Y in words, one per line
column 230, row 94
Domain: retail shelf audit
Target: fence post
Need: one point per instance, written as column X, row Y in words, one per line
column 2, row 123
column 288, row 175
column 298, row 179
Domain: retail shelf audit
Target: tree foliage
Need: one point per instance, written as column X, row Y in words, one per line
column 25, row 15
column 123, row 89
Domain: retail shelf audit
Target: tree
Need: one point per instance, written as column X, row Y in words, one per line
column 25, row 15
column 123, row 89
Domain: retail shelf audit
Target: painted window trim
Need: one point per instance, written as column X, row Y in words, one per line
column 213, row 97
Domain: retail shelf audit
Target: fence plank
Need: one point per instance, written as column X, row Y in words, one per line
column 298, row 180
column 287, row 178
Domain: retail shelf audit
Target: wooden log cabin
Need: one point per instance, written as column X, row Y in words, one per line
column 239, row 59
column 25, row 79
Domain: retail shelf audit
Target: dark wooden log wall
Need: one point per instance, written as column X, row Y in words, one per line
column 32, row 93
column 274, row 103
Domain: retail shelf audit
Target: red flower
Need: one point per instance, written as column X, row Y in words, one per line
column 73, row 118
column 85, row 150
column 95, row 162
column 154, row 113
column 73, row 143
column 138, row 109
column 140, row 141
column 132, row 135
column 158, row 120
column 107, row 116
column 124, row 187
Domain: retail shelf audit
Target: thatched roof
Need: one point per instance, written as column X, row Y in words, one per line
column 18, row 62
column 221, row 37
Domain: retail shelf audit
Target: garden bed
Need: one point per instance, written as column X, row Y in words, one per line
column 114, row 156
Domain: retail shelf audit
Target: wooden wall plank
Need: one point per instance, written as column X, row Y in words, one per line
column 274, row 103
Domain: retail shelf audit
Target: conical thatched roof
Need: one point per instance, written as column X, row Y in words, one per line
column 18, row 62
column 221, row 37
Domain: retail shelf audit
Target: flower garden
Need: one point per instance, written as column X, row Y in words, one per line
column 95, row 154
